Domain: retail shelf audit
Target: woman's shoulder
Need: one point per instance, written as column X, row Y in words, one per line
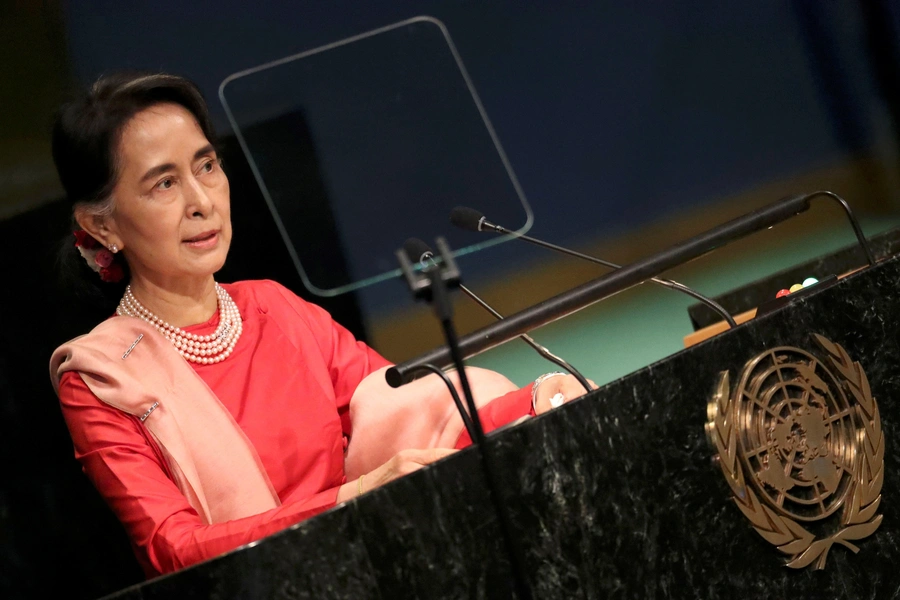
column 101, row 355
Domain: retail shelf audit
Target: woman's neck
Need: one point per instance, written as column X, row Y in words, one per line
column 188, row 303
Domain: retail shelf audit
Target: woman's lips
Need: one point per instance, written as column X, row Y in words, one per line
column 204, row 240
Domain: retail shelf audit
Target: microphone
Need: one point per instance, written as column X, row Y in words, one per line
column 419, row 251
column 624, row 278
column 474, row 220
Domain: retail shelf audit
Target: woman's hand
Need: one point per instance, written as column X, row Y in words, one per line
column 403, row 463
column 566, row 385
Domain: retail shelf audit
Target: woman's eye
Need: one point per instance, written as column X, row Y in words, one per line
column 208, row 167
column 165, row 184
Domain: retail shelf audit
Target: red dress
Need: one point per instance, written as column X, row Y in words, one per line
column 288, row 384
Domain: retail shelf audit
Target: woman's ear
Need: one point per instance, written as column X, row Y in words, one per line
column 100, row 227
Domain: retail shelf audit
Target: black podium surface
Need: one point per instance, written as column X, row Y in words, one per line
column 612, row 496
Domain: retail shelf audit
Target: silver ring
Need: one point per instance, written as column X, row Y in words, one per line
column 144, row 416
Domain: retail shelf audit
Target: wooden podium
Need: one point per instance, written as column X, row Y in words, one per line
column 618, row 495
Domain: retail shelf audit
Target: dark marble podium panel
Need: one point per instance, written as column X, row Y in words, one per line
column 611, row 496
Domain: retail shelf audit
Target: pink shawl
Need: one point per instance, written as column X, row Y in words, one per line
column 420, row 414
column 211, row 460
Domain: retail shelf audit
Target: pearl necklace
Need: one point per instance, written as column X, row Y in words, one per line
column 203, row 349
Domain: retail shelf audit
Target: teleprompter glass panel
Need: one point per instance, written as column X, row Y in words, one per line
column 365, row 142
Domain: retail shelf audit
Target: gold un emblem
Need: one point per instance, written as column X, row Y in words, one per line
column 800, row 443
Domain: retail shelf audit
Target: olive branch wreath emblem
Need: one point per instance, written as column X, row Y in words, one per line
column 858, row 519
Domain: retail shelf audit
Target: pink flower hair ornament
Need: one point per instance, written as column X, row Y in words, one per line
column 98, row 258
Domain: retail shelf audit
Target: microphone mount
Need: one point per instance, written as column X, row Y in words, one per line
column 612, row 283
column 413, row 247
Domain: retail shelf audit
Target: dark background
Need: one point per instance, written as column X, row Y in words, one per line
column 615, row 116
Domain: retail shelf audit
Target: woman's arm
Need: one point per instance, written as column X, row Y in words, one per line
column 526, row 401
column 126, row 466
column 499, row 412
column 347, row 359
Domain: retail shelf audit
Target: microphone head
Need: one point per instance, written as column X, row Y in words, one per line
column 467, row 218
column 417, row 250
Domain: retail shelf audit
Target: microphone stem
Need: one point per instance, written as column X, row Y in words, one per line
column 443, row 309
column 674, row 285
column 544, row 352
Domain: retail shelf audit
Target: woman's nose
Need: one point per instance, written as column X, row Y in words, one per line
column 199, row 202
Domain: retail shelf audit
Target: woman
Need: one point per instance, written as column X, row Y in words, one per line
column 209, row 415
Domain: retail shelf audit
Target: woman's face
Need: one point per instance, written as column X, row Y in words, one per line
column 171, row 217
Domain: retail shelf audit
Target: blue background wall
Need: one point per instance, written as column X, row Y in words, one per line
column 614, row 113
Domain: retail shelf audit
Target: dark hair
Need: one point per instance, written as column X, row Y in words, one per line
column 85, row 141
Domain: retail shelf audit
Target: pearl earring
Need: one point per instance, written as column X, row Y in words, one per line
column 113, row 248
